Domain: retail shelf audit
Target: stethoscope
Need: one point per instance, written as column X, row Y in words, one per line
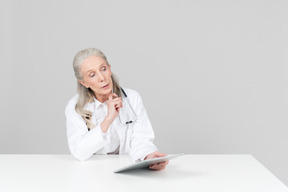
column 132, row 117
column 124, row 112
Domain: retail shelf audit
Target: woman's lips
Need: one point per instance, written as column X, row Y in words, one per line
column 105, row 86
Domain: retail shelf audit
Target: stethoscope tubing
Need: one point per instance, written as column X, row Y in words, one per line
column 126, row 97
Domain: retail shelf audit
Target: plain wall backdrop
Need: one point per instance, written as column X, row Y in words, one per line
column 212, row 74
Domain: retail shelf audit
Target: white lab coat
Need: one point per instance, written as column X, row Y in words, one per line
column 136, row 139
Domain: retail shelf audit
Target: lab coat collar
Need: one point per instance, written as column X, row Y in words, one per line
column 98, row 103
column 92, row 106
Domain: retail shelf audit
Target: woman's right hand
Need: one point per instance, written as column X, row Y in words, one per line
column 114, row 104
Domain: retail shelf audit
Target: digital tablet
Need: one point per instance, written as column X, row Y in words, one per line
column 147, row 163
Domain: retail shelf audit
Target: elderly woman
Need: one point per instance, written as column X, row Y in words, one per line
column 104, row 118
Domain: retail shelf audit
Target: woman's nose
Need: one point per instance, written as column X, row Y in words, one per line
column 101, row 77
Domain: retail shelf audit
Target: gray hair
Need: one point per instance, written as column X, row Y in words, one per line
column 86, row 95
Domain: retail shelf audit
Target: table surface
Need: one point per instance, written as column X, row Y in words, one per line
column 197, row 173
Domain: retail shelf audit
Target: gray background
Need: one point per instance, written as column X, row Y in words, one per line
column 212, row 74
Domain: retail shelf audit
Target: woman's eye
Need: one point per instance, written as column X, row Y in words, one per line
column 92, row 74
column 103, row 68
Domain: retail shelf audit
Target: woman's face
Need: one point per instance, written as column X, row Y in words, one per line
column 96, row 73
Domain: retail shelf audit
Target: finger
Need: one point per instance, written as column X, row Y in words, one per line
column 114, row 95
column 158, row 167
column 118, row 102
column 110, row 97
column 118, row 99
column 159, row 154
column 163, row 163
column 117, row 107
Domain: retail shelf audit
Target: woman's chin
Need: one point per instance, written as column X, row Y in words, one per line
column 106, row 91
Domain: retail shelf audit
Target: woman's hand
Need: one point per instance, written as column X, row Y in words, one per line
column 113, row 105
column 158, row 166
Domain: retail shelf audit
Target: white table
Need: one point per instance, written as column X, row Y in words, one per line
column 231, row 173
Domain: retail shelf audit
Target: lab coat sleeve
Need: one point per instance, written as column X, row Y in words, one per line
column 82, row 143
column 142, row 134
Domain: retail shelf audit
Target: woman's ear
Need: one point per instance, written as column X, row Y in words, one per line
column 84, row 84
column 109, row 67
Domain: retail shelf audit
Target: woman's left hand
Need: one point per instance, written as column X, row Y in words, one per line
column 158, row 166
